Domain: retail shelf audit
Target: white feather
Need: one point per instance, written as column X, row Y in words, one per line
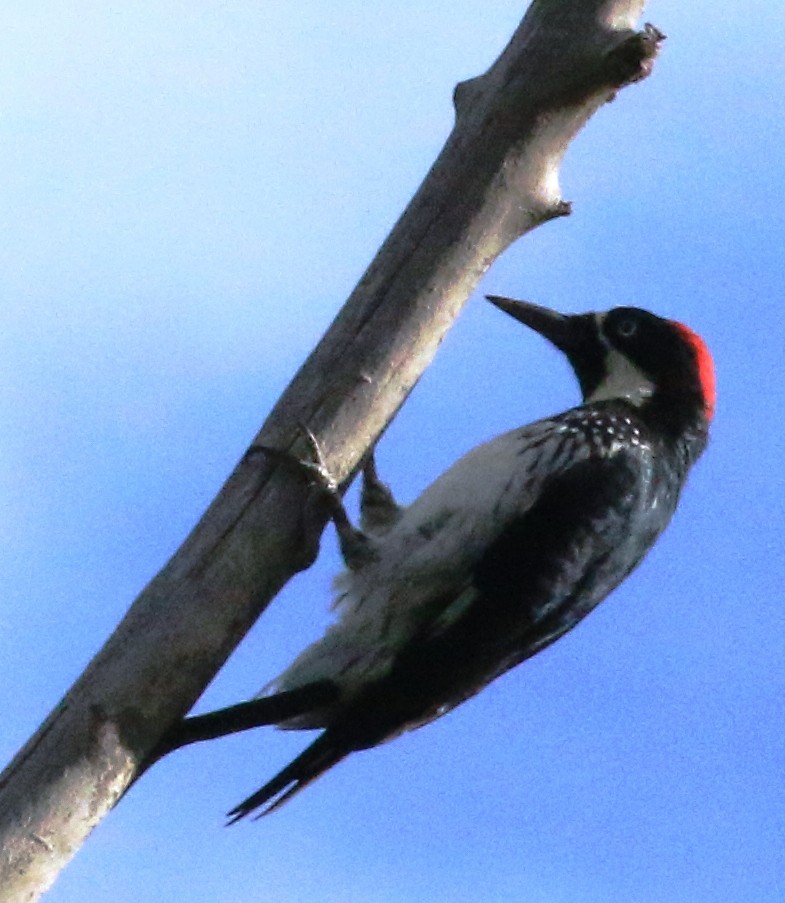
column 624, row 380
column 424, row 562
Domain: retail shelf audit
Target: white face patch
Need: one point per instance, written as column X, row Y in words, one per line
column 624, row 380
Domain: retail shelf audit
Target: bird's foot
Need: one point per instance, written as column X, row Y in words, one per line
column 356, row 547
column 314, row 471
column 378, row 509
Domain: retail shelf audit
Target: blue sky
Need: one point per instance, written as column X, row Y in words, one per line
column 189, row 192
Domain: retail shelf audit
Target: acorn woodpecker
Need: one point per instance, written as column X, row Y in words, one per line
column 502, row 555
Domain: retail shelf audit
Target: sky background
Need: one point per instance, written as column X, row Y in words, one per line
column 189, row 191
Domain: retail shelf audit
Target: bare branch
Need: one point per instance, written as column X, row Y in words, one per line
column 495, row 179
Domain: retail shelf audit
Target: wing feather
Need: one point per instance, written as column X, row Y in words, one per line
column 427, row 558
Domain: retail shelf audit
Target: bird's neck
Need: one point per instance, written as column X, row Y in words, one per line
column 622, row 381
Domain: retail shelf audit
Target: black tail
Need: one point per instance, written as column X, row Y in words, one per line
column 326, row 751
column 244, row 716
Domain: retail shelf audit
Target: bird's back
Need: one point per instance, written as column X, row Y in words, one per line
column 502, row 554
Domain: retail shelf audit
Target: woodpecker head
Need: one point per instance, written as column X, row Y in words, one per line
column 630, row 354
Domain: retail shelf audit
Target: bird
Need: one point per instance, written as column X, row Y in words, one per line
column 499, row 557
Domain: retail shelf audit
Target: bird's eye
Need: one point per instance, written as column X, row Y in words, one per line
column 626, row 328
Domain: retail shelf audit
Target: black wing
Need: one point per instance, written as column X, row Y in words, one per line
column 541, row 576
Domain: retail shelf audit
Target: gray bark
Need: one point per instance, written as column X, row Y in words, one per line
column 495, row 179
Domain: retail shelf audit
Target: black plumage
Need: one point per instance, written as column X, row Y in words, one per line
column 502, row 555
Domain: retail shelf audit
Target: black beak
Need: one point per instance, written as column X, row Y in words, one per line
column 567, row 333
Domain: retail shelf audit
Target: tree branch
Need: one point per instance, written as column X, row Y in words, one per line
column 495, row 179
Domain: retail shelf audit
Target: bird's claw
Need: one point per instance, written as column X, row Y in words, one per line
column 355, row 546
column 317, row 468
column 378, row 509
column 315, row 471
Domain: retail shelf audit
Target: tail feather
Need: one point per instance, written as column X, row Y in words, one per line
column 244, row 716
column 320, row 756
